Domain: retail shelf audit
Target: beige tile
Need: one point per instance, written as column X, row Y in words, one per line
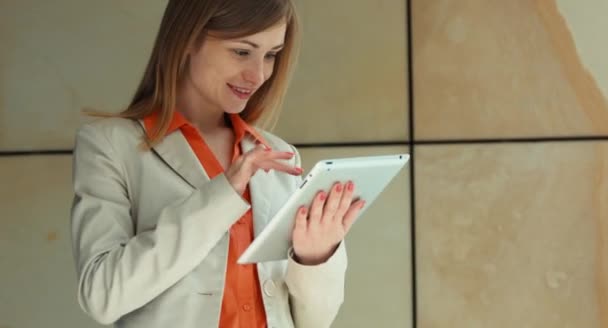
column 378, row 281
column 585, row 18
column 54, row 62
column 350, row 84
column 512, row 235
column 38, row 279
column 506, row 69
column 58, row 57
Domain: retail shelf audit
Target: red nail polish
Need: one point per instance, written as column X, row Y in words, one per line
column 303, row 210
column 323, row 196
column 350, row 186
column 339, row 187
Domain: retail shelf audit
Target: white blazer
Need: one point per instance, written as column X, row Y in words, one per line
column 150, row 235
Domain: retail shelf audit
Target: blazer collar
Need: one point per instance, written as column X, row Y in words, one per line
column 177, row 154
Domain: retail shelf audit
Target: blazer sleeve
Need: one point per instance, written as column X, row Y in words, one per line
column 316, row 293
column 117, row 270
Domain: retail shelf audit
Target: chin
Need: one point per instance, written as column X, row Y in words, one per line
column 235, row 109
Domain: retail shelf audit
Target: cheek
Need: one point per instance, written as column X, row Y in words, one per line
column 268, row 71
column 205, row 74
column 197, row 67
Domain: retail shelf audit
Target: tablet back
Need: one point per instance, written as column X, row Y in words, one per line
column 370, row 174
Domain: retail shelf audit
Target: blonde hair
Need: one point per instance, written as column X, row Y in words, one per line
column 185, row 23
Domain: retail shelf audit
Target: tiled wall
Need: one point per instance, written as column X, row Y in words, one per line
column 350, row 87
column 511, row 234
column 509, row 141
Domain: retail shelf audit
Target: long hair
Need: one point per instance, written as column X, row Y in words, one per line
column 184, row 25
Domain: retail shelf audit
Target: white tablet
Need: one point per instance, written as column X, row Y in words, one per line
column 370, row 174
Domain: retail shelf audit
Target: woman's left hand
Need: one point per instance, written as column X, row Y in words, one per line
column 319, row 230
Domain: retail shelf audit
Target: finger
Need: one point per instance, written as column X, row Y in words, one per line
column 316, row 210
column 261, row 154
column 274, row 155
column 259, row 148
column 352, row 214
column 331, row 206
column 300, row 227
column 345, row 201
column 250, row 158
column 258, row 156
column 254, row 158
column 274, row 165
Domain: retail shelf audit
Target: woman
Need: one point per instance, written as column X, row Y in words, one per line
column 171, row 191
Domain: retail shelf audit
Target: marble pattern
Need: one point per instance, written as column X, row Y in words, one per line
column 506, row 69
column 586, row 22
column 512, row 235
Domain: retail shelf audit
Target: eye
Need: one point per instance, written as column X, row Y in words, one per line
column 271, row 56
column 241, row 52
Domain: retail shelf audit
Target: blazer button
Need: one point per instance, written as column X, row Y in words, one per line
column 269, row 288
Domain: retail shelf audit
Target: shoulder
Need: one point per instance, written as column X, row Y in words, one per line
column 114, row 129
column 113, row 132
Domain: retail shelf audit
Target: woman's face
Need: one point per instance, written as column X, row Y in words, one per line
column 225, row 73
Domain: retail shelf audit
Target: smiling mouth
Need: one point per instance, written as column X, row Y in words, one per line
column 242, row 93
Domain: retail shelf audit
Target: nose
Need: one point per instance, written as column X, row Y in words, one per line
column 255, row 73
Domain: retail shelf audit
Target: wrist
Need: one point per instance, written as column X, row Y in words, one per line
column 311, row 260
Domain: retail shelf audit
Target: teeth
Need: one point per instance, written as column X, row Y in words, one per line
column 241, row 90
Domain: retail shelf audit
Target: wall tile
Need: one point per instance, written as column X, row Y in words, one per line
column 378, row 281
column 512, row 235
column 350, row 84
column 55, row 63
column 35, row 240
column 58, row 57
column 507, row 69
column 38, row 277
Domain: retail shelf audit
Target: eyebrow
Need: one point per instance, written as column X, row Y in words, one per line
column 257, row 46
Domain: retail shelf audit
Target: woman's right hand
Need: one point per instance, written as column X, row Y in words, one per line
column 246, row 165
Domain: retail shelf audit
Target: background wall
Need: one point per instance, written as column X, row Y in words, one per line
column 502, row 104
column 61, row 56
column 511, row 173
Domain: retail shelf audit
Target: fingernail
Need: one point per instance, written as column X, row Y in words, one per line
column 362, row 204
column 339, row 187
column 303, row 210
column 350, row 186
column 323, row 196
column 299, row 169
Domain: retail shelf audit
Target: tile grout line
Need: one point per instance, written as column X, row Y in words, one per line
column 412, row 149
column 410, row 143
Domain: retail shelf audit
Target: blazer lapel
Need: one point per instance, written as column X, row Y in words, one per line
column 258, row 187
column 175, row 151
